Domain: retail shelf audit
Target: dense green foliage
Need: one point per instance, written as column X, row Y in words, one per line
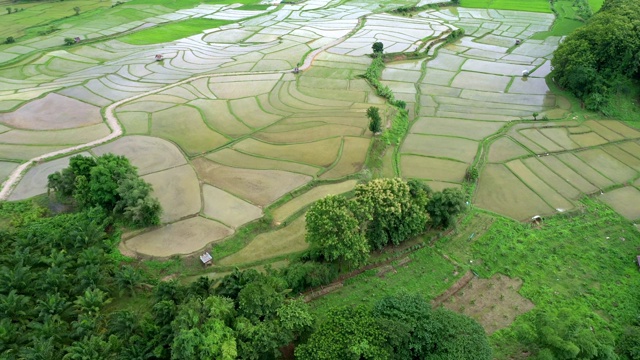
column 109, row 182
column 444, row 206
column 55, row 274
column 398, row 327
column 383, row 212
column 597, row 59
column 375, row 121
column 390, row 212
column 377, row 47
column 333, row 228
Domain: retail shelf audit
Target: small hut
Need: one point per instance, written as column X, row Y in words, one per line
column 76, row 39
column 525, row 73
column 207, row 259
column 518, row 41
column 159, row 57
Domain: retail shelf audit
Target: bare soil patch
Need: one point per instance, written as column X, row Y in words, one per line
column 625, row 201
column 177, row 190
column 260, row 187
column 53, row 112
column 494, row 302
column 34, row 182
column 148, row 154
column 291, row 207
column 354, row 152
column 501, row 191
column 287, row 240
column 182, row 237
column 227, row 208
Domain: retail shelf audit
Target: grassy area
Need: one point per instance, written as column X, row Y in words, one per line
column 172, row 31
column 530, row 5
column 624, row 105
column 428, row 273
column 596, row 4
column 41, row 13
column 583, row 262
column 561, row 27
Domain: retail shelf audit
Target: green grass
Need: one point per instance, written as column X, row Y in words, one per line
column 428, row 274
column 596, row 4
column 584, row 263
column 253, row 7
column 561, row 27
column 41, row 13
column 172, row 31
column 625, row 103
column 522, row 5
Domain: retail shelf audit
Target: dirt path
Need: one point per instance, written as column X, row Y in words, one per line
column 116, row 128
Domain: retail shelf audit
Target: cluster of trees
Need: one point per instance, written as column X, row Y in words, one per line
column 375, row 120
column 398, row 327
column 56, row 274
column 601, row 56
column 14, row 10
column 382, row 212
column 109, row 182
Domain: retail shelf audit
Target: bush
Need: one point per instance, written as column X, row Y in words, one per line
column 10, row 40
column 69, row 41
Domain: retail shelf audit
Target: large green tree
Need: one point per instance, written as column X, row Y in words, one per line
column 335, row 231
column 595, row 58
column 110, row 182
column 444, row 206
column 415, row 331
column 389, row 210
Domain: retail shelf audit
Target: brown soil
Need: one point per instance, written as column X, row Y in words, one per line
column 68, row 113
column 494, row 302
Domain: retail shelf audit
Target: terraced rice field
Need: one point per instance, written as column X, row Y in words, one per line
column 542, row 169
column 223, row 129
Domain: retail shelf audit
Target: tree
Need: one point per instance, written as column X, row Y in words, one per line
column 535, row 116
column 8, row 10
column 389, row 212
column 109, row 182
column 76, row 9
column 568, row 334
column 202, row 330
column 414, row 331
column 595, row 59
column 629, row 343
column 334, row 230
column 444, row 206
column 10, row 40
column 375, row 122
column 347, row 333
column 377, row 47
column 69, row 41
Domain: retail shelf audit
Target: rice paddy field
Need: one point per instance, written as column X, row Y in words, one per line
column 233, row 140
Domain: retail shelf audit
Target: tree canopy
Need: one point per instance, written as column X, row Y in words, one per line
column 398, row 327
column 335, row 231
column 593, row 60
column 110, row 182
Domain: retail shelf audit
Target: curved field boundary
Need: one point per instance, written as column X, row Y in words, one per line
column 116, row 128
